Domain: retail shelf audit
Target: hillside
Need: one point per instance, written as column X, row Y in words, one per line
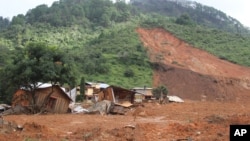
column 199, row 13
column 119, row 44
column 193, row 73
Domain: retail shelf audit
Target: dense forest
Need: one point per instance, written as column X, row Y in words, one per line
column 99, row 40
column 200, row 14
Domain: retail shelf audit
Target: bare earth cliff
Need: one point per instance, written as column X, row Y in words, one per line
column 192, row 73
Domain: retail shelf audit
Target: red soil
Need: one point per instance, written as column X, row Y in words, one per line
column 200, row 121
column 193, row 73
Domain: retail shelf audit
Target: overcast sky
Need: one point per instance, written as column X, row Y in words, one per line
column 238, row 9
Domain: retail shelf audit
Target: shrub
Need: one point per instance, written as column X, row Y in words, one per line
column 160, row 90
column 129, row 73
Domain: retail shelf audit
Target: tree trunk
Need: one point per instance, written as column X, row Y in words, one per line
column 33, row 105
column 161, row 98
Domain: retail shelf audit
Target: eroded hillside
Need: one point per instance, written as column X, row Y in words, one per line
column 193, row 73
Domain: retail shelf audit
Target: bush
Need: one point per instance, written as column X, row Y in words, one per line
column 160, row 90
column 129, row 73
column 184, row 20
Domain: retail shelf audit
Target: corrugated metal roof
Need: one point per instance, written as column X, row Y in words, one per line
column 101, row 85
column 175, row 98
column 41, row 85
column 141, row 88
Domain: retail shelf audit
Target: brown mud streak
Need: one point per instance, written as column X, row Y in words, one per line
column 192, row 73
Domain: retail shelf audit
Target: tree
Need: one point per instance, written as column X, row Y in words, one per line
column 36, row 63
column 4, row 23
column 19, row 19
column 82, row 89
column 4, row 55
column 160, row 93
column 129, row 73
column 184, row 20
column 36, row 14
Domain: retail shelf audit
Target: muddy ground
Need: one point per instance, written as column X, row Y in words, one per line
column 199, row 121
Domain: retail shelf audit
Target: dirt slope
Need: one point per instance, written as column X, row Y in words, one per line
column 193, row 73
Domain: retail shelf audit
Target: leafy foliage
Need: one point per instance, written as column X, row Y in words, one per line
column 88, row 13
column 160, row 91
column 200, row 14
column 120, row 49
column 38, row 63
column 129, row 73
column 184, row 20
column 4, row 23
column 4, row 55
column 233, row 47
column 82, row 90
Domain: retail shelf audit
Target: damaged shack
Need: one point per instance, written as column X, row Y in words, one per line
column 57, row 102
column 91, row 88
column 120, row 96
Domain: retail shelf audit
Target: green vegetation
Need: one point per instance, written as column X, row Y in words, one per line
column 4, row 22
column 184, row 20
column 233, row 47
column 225, row 45
column 82, row 95
column 160, row 91
column 100, row 39
column 200, row 14
column 38, row 63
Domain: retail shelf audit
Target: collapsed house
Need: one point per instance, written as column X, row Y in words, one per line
column 120, row 96
column 142, row 94
column 73, row 93
column 4, row 107
column 106, row 99
column 53, row 96
column 101, row 91
column 91, row 90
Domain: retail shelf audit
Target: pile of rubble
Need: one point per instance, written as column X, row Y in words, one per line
column 15, row 110
column 8, row 127
column 103, row 107
column 4, row 107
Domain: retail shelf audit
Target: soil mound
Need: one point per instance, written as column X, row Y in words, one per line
column 192, row 73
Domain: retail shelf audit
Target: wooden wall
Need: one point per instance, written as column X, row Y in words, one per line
column 119, row 94
column 61, row 103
